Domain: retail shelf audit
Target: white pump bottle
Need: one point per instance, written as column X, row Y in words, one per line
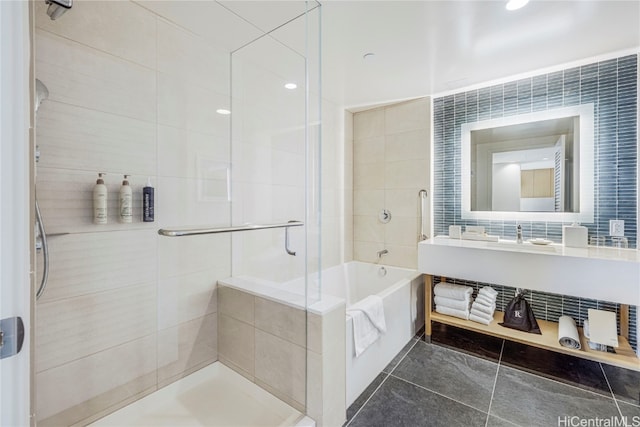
column 100, row 201
column 126, row 205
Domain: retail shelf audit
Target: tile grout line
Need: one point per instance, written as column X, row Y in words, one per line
column 495, row 381
column 613, row 396
column 438, row 393
column 367, row 401
column 382, row 382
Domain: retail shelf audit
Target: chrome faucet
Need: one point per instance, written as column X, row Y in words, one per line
column 519, row 234
column 382, row 252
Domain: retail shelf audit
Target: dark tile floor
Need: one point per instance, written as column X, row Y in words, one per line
column 464, row 378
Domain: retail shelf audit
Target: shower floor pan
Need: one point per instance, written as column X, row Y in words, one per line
column 213, row 396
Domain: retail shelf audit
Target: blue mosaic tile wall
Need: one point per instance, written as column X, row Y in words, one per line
column 547, row 306
column 610, row 85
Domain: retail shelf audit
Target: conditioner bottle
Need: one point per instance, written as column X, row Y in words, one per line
column 147, row 202
column 100, row 201
column 125, row 201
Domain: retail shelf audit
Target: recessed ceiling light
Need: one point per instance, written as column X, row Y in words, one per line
column 291, row 86
column 223, row 111
column 516, row 4
column 368, row 55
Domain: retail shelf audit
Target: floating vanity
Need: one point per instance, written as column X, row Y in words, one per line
column 601, row 273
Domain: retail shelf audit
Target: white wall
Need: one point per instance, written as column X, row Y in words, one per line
column 505, row 195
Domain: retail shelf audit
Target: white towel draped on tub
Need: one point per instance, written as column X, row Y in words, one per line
column 368, row 322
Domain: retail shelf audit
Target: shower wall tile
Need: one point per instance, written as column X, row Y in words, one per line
column 78, row 75
column 187, row 297
column 401, row 231
column 108, row 377
column 185, row 105
column 183, row 54
column 66, row 201
column 186, row 201
column 65, row 329
column 407, row 146
column 367, row 251
column 368, row 176
column 405, row 117
column 186, row 347
column 94, row 24
column 368, row 202
column 281, row 365
column 406, row 174
column 369, row 150
column 281, row 321
column 368, row 124
column 368, row 229
column 236, row 344
column 72, row 137
column 86, row 263
column 177, row 257
column 190, row 154
column 236, row 304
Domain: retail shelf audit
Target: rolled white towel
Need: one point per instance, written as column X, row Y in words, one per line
column 449, row 290
column 481, row 314
column 488, row 291
column 463, row 314
column 484, row 308
column 479, row 319
column 453, row 303
column 483, row 299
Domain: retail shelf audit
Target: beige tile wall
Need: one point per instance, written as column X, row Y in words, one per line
column 391, row 156
column 127, row 311
column 266, row 342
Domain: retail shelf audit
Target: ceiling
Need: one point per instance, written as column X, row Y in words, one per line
column 421, row 47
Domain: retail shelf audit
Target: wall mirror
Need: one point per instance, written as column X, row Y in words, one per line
column 535, row 167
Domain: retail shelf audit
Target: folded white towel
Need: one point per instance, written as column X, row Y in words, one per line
column 488, row 291
column 483, row 299
column 453, row 303
column 481, row 314
column 449, row 290
column 463, row 314
column 368, row 322
column 489, row 309
column 479, row 319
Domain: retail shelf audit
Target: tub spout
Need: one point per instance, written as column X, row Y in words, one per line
column 382, row 252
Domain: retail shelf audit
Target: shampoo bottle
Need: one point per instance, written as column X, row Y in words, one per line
column 147, row 202
column 100, row 201
column 125, row 201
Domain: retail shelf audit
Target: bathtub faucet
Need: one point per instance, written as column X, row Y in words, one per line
column 382, row 252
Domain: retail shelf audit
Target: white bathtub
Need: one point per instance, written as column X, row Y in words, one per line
column 401, row 290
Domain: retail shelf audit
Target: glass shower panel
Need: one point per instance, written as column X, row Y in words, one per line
column 275, row 154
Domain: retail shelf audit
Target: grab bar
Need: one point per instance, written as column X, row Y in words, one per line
column 423, row 195
column 286, row 241
column 179, row 232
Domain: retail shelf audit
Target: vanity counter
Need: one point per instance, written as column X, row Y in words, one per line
column 602, row 273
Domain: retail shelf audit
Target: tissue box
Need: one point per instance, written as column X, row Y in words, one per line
column 574, row 236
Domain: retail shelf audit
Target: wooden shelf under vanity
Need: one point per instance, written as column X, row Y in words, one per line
column 624, row 356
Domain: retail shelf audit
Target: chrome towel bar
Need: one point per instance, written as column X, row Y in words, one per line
column 179, row 232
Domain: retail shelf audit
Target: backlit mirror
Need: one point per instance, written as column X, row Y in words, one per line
column 536, row 166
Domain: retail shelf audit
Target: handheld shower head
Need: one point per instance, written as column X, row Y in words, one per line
column 42, row 93
column 57, row 8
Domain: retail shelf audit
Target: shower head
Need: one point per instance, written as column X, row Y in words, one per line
column 57, row 8
column 42, row 93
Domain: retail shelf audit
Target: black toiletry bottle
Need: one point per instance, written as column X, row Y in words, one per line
column 147, row 202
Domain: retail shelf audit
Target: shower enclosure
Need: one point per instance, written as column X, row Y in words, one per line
column 140, row 88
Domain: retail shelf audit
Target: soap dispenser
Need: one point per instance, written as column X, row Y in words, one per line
column 100, row 201
column 125, row 201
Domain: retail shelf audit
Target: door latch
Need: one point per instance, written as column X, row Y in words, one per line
column 11, row 336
